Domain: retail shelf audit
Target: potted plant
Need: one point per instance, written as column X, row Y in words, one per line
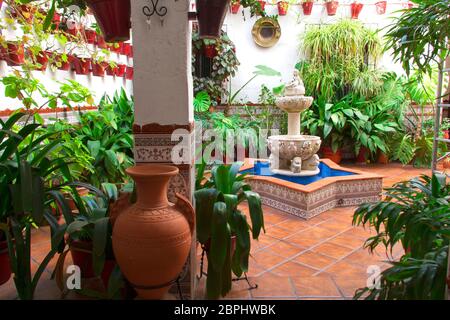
column 111, row 69
column 235, row 5
column 307, row 6
column 42, row 60
column 356, row 8
column 210, row 16
column 381, row 7
column 126, row 49
column 219, row 220
column 331, row 6
column 62, row 61
column 129, row 73
column 90, row 36
column 113, row 18
column 121, row 69
column 262, row 4
column 81, row 65
column 445, row 127
column 283, row 7
column 99, row 67
column 209, row 48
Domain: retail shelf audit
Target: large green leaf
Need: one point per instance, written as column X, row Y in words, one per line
column 220, row 236
column 100, row 239
column 204, row 207
column 256, row 213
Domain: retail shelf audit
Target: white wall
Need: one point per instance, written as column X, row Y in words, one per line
column 285, row 54
column 97, row 85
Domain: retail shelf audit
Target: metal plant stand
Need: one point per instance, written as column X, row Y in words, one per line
column 245, row 277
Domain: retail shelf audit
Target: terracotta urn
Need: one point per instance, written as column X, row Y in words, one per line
column 152, row 238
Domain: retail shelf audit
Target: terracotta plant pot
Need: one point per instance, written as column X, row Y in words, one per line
column 116, row 47
column 113, row 18
column 332, row 7
column 129, row 73
column 65, row 65
column 26, row 11
column 209, row 51
column 210, row 16
column 131, row 52
column 446, row 134
column 126, row 49
column 101, row 43
column 307, row 8
column 1, row 3
column 16, row 54
column 120, row 70
column 235, row 7
column 91, row 36
column 362, row 155
column 98, row 69
column 382, row 158
column 283, row 7
column 381, row 7
column 81, row 252
column 42, row 59
column 152, row 238
column 328, row 153
column 356, row 9
column 5, row 268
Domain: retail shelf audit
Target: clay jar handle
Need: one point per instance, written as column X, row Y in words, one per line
column 187, row 210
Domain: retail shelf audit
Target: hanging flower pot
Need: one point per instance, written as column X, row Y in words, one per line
column 126, row 49
column 381, row 7
column 90, row 36
column 120, row 70
column 210, row 16
column 98, row 68
column 101, row 43
column 42, row 59
column 24, row 11
column 283, row 7
column 56, row 20
column 129, row 73
column 235, row 5
column 110, row 70
column 63, row 65
column 16, row 54
column 113, row 18
column 82, row 66
column 307, row 7
column 131, row 52
column 5, row 268
column 262, row 3
column 116, row 47
column 1, row 3
column 209, row 51
column 356, row 8
column 332, row 7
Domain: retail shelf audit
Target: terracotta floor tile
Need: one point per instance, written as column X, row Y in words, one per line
column 266, row 259
column 364, row 258
column 293, row 269
column 294, row 225
column 272, row 286
column 332, row 250
column 284, row 249
column 348, row 241
column 239, row 290
column 305, row 241
column 264, row 241
column 348, row 285
column 360, row 232
column 335, row 225
column 319, row 286
column 345, row 269
column 314, row 260
column 272, row 218
column 278, row 233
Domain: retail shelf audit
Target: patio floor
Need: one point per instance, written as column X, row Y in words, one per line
column 321, row 258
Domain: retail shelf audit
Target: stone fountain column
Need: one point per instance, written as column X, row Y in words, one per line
column 163, row 97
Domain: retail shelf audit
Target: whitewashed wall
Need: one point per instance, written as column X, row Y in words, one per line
column 285, row 54
column 97, row 85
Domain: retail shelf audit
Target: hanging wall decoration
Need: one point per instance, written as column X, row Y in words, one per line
column 266, row 32
column 381, row 7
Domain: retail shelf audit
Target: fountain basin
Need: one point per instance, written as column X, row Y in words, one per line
column 294, row 104
column 306, row 197
column 291, row 146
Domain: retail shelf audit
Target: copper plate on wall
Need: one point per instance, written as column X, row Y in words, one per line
column 266, row 32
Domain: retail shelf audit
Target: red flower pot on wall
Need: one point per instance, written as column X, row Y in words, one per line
column 42, row 59
column 1, row 3
column 91, row 36
column 111, row 71
column 381, row 7
column 210, row 16
column 5, row 268
column 129, row 73
column 209, row 51
column 262, row 4
column 120, row 70
column 113, row 18
column 116, row 47
column 101, row 43
column 283, row 7
column 356, row 9
column 64, row 65
column 307, row 7
column 328, row 153
column 98, row 69
column 82, row 66
column 126, row 49
column 235, row 7
column 16, row 54
column 332, row 7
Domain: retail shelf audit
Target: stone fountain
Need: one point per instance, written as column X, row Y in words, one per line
column 294, row 154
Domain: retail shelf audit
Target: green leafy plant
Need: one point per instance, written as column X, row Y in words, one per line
column 415, row 214
column 202, row 102
column 219, row 220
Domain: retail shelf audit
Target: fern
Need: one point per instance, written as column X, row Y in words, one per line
column 403, row 148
